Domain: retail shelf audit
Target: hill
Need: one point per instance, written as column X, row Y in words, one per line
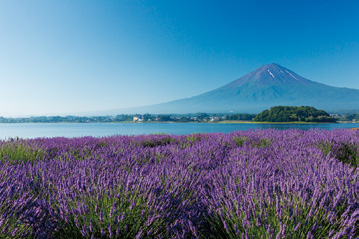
column 293, row 114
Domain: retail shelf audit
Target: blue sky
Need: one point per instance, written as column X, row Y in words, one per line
column 65, row 57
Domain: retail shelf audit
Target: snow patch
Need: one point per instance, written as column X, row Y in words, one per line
column 291, row 75
column 270, row 73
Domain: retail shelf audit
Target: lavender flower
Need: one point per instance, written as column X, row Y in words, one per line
column 167, row 180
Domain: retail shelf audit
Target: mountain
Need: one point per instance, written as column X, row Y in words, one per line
column 269, row 85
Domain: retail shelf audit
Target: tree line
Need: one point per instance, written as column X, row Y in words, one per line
column 274, row 114
column 199, row 117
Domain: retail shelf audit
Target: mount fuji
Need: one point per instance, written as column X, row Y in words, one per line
column 269, row 85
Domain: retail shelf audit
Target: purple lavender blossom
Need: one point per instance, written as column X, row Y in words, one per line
column 162, row 182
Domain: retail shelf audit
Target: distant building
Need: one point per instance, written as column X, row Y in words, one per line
column 136, row 118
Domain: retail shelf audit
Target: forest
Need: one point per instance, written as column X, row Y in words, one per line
column 293, row 114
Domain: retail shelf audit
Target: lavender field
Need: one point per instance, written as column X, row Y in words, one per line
column 246, row 184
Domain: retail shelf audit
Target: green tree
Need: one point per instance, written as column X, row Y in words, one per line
column 293, row 114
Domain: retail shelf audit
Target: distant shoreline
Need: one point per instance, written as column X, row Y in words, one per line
column 171, row 122
column 256, row 122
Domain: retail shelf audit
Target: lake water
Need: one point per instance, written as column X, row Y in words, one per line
column 34, row 130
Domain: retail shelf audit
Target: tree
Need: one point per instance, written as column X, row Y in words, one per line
column 293, row 114
column 147, row 117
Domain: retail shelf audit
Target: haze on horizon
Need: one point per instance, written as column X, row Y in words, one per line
column 68, row 57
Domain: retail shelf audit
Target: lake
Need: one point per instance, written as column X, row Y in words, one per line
column 35, row 130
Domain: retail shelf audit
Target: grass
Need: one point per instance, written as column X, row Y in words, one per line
column 347, row 153
column 15, row 153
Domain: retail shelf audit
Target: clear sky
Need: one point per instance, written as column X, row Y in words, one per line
column 64, row 57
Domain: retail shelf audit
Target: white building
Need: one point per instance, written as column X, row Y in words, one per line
column 136, row 118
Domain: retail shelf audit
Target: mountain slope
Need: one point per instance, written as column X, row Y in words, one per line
column 268, row 86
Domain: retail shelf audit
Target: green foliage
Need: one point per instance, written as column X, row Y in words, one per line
column 350, row 117
column 127, row 213
column 260, row 143
column 157, row 142
column 347, row 153
column 240, row 117
column 190, row 140
column 226, row 223
column 240, row 140
column 164, row 118
column 15, row 153
column 203, row 117
column 12, row 223
column 293, row 114
column 124, row 118
column 184, row 119
column 147, row 117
